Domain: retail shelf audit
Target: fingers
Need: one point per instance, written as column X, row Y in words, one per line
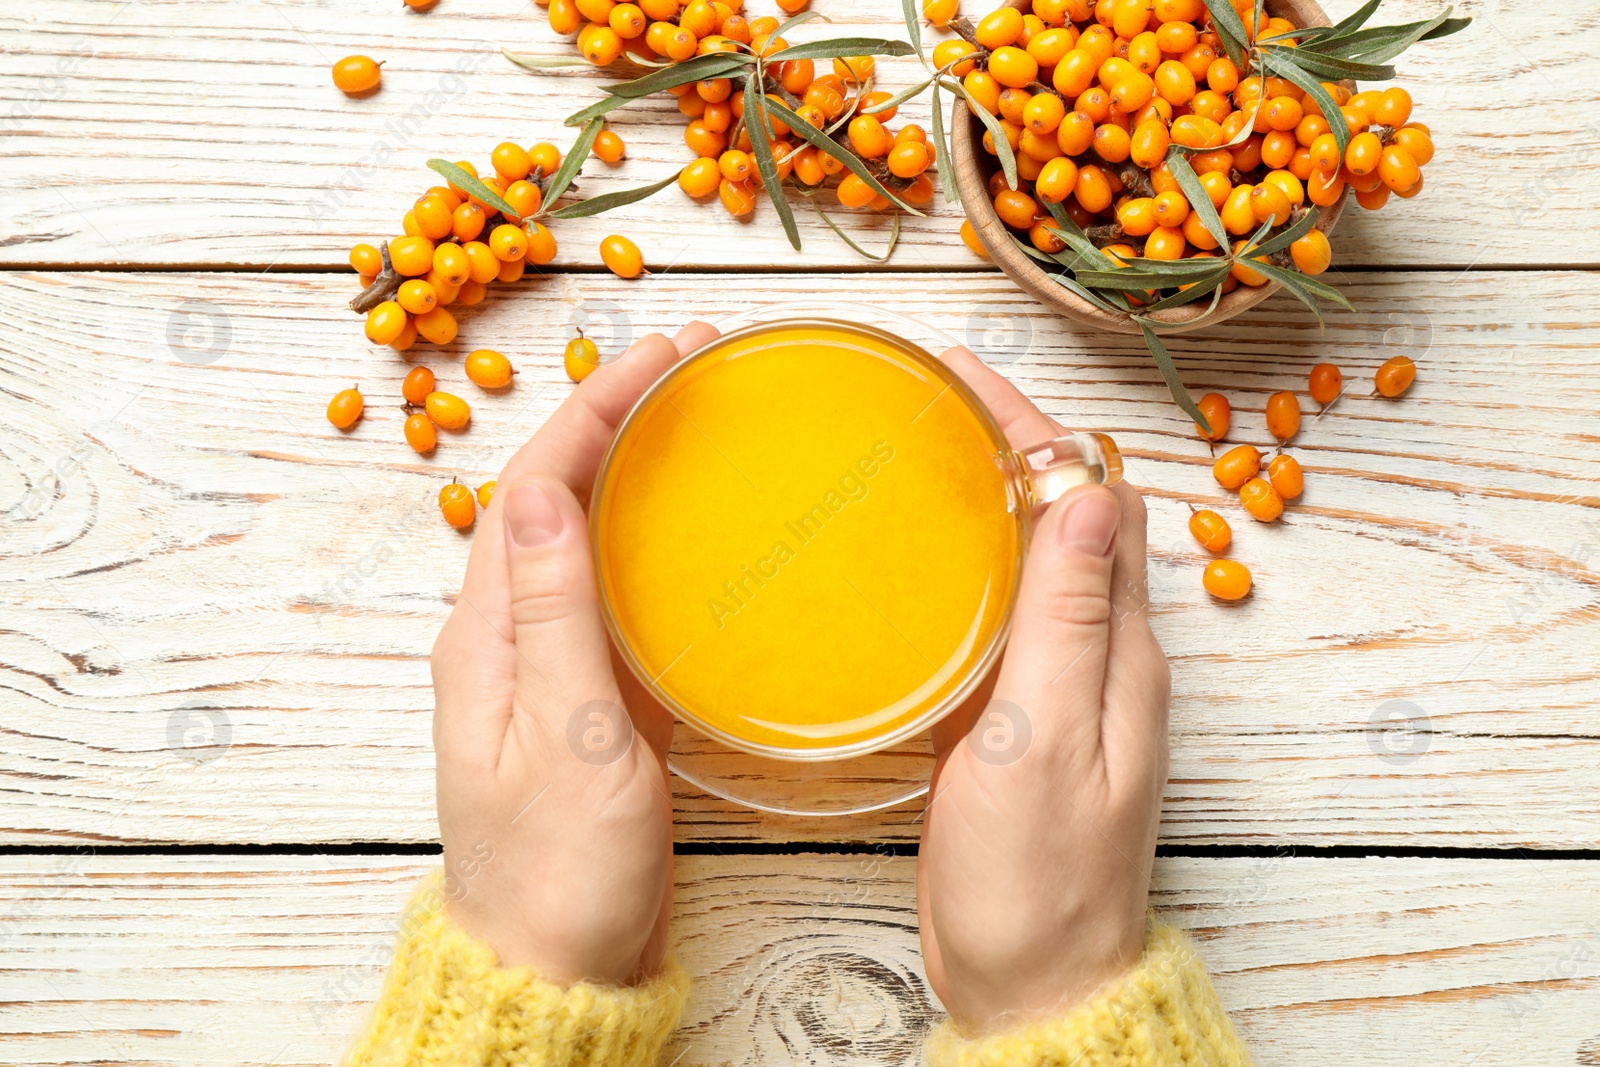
column 1055, row 665
column 570, row 443
column 563, row 659
column 1023, row 423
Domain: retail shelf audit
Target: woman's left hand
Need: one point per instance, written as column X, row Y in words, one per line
column 556, row 819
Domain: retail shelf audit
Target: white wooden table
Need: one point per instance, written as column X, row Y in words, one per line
column 1383, row 821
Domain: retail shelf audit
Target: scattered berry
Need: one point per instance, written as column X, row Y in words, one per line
column 447, row 412
column 345, row 408
column 622, row 256
column 485, row 494
column 417, row 385
column 1395, row 376
column 1327, row 382
column 420, row 433
column 1236, row 466
column 1227, row 579
column 581, row 357
column 1261, row 500
column 355, row 75
column 1218, row 412
column 1283, row 415
column 1286, row 476
column 489, row 369
column 457, row 505
column 1211, row 530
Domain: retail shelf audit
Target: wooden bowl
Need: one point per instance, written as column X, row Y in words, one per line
column 973, row 166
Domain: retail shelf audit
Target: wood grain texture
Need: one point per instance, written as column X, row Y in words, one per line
column 210, row 960
column 193, row 556
column 201, row 132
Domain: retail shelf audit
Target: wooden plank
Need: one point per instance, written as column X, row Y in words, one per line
column 187, row 538
column 213, row 960
column 208, row 132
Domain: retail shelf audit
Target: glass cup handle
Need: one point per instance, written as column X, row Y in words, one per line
column 1048, row 470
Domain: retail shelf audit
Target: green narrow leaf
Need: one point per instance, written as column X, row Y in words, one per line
column 898, row 98
column 573, row 161
column 1199, row 202
column 1330, row 67
column 1307, row 290
column 1289, row 236
column 1383, row 43
column 1073, row 234
column 894, row 235
column 528, row 61
column 941, row 150
column 1324, row 99
column 463, row 179
column 798, row 20
column 1133, row 278
column 1084, row 293
column 760, row 145
column 699, row 68
column 604, row 106
column 594, row 205
column 841, row 48
column 1198, row 291
column 997, row 133
column 827, row 144
column 913, row 27
column 1169, row 371
column 1230, row 27
column 1356, row 19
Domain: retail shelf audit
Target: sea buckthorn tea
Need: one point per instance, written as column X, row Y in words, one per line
column 808, row 539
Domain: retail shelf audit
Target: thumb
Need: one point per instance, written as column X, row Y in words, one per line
column 563, row 658
column 1055, row 663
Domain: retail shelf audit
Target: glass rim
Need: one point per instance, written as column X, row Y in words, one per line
column 912, row 727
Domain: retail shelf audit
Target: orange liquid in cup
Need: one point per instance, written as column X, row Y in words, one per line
column 805, row 541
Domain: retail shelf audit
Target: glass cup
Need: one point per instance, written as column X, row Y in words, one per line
column 836, row 767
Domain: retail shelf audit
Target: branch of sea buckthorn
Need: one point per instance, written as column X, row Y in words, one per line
column 384, row 286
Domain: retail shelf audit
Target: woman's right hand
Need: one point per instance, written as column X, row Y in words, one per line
column 1034, row 871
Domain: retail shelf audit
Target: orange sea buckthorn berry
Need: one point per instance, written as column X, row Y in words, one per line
column 366, row 259
column 345, row 408
column 354, row 75
column 609, row 147
column 487, row 369
column 485, row 493
column 482, row 264
column 1051, row 46
column 417, row 296
column 949, row 54
column 1211, row 530
column 1269, row 204
column 998, row 28
column 909, row 160
column 1043, row 113
column 1074, row 74
column 420, row 433
column 1416, row 141
column 457, row 505
column 704, row 141
column 541, row 244
column 627, row 20
column 1129, row 18
column 854, row 69
column 853, row 192
column 509, row 243
column 564, row 17
column 1395, row 376
column 1093, row 190
column 524, row 197
column 1013, row 67
column 1016, row 208
column 1393, row 108
column 1044, row 237
column 417, row 385
column 1325, row 189
column 700, row 178
column 1285, row 476
column 471, row 293
column 1397, row 169
column 1373, row 199
column 581, row 357
column 602, row 47
column 1327, row 382
column 738, row 198
column 510, row 161
column 385, row 322
column 969, row 237
column 1236, row 466
column 1261, row 500
column 1282, row 113
column 939, row 12
column 868, row 138
column 467, row 222
column 438, row 326
column 1112, row 143
column 411, row 257
column 1242, row 272
column 512, row 270
column 1363, row 154
column 1312, row 254
column 1283, row 415
column 1171, row 208
column 1218, row 413
column 1238, row 216
column 1144, row 52
column 1165, row 243
column 1056, row 179
column 736, row 166
column 447, row 411
column 1137, row 216
column 621, row 256
column 451, row 265
column 1227, row 579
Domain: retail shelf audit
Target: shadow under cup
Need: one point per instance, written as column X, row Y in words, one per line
column 809, row 536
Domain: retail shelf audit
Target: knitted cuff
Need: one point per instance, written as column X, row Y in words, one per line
column 447, row 1002
column 1164, row 1013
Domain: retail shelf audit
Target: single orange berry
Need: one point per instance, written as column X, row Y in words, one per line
column 485, row 493
column 581, row 357
column 1236, row 466
column 448, row 412
column 1312, row 253
column 1286, row 476
column 1211, row 530
column 457, row 505
column 417, row 296
column 366, row 259
column 1261, row 500
column 622, row 256
column 1227, row 579
column 1218, row 412
column 438, row 325
column 1283, row 415
column 355, row 75
column 700, row 178
column 509, row 243
column 411, row 257
column 969, row 237
column 488, row 369
column 417, row 385
column 541, row 244
column 1327, row 382
column 386, row 322
column 609, row 147
column 909, row 159
column 1395, row 376
column 420, row 433
column 345, row 408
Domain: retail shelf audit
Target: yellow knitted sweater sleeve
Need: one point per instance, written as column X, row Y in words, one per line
column 1164, row 1013
column 447, row 1003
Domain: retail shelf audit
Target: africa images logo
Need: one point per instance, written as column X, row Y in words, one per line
column 741, row 589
